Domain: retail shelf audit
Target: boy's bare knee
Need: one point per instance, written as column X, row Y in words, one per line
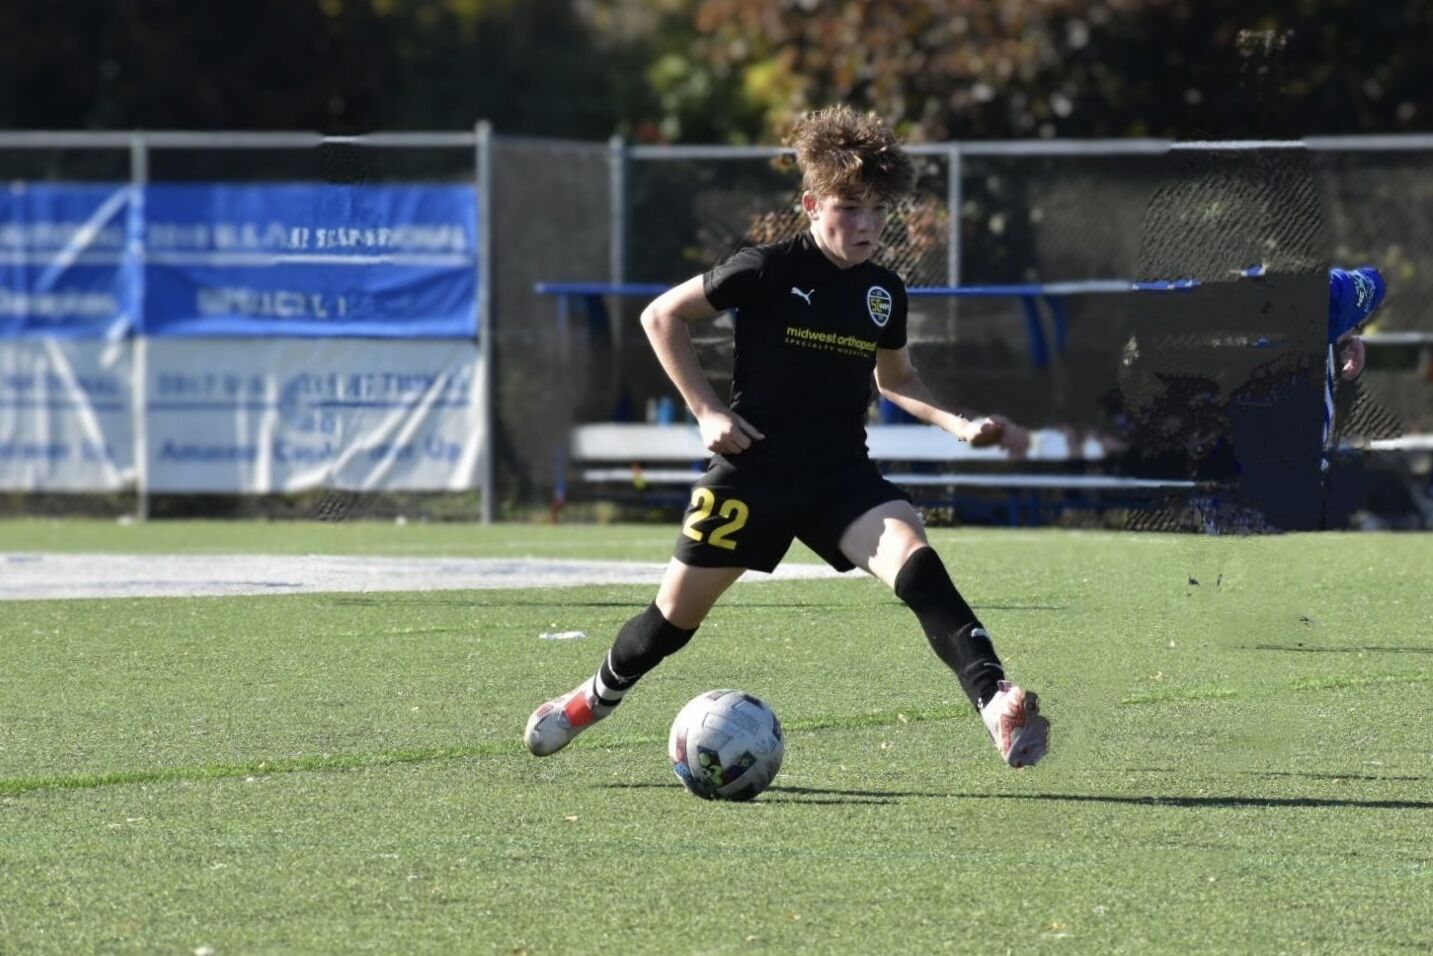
column 688, row 593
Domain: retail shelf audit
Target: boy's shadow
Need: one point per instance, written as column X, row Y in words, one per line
column 824, row 795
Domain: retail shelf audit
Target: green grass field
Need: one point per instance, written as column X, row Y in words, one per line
column 1242, row 764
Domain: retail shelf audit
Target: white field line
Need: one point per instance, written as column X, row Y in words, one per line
column 30, row 576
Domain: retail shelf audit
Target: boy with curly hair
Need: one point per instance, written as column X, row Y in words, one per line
column 814, row 318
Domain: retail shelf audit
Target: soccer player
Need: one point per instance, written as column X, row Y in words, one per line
column 815, row 316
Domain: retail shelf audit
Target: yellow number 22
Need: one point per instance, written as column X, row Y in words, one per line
column 703, row 503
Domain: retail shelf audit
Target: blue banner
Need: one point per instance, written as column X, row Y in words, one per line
column 63, row 270
column 298, row 259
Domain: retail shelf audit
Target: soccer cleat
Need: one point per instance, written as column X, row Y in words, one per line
column 553, row 725
column 1013, row 718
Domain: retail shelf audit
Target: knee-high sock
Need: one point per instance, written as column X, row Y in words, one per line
column 641, row 645
column 954, row 632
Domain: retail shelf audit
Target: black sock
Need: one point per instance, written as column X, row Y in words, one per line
column 954, row 632
column 640, row 646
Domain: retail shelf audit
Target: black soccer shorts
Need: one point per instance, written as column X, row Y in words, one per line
column 747, row 517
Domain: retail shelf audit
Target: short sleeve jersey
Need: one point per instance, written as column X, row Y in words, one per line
column 807, row 332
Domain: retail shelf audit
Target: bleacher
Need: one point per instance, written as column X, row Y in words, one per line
column 655, row 463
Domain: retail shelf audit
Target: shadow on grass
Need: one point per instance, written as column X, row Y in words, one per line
column 1327, row 776
column 1302, row 774
column 1364, row 649
column 826, row 795
column 823, row 795
column 803, row 795
column 1263, row 803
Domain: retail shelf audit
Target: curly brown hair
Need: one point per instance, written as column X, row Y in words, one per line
column 851, row 155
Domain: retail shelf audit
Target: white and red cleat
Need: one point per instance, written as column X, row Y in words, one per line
column 1013, row 718
column 553, row 725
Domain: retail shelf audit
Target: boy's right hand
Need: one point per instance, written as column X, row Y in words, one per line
column 727, row 433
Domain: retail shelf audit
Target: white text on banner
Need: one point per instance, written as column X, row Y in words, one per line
column 263, row 416
column 65, row 415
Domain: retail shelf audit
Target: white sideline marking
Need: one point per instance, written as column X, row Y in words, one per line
column 32, row 576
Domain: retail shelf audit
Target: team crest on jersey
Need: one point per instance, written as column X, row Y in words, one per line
column 878, row 303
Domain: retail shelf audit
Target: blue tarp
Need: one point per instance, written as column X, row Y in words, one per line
column 62, row 261
column 261, row 260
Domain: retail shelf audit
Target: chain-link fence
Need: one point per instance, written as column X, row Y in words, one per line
column 1029, row 217
column 996, row 213
column 1052, row 212
column 1042, row 212
column 552, row 215
column 75, row 392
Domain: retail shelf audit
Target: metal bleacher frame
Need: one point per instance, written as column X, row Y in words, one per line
column 938, row 470
column 932, row 465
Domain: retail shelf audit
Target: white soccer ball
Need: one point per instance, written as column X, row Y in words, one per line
column 726, row 745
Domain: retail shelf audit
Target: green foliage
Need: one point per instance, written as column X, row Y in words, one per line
column 338, row 66
column 956, row 69
column 720, row 70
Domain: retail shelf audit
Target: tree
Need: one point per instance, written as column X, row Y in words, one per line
column 973, row 69
column 337, row 66
column 721, row 70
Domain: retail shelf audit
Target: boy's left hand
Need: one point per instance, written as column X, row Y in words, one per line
column 998, row 430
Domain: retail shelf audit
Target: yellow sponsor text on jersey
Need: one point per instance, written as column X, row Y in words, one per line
column 802, row 335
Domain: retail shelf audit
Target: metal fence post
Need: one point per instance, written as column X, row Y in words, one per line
column 134, row 256
column 483, row 175
column 954, row 198
column 617, row 192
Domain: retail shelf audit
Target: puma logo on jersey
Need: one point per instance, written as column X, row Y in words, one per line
column 805, row 295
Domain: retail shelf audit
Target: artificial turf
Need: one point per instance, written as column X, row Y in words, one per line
column 1242, row 757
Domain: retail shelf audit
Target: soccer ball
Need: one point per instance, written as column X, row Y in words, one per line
column 726, row 745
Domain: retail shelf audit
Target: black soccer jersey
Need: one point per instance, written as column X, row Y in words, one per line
column 806, row 338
